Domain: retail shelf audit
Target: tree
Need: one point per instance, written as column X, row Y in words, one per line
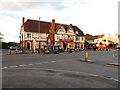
column 1, row 37
column 6, row 45
column 87, row 36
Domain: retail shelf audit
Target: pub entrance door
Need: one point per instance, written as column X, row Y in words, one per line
column 65, row 45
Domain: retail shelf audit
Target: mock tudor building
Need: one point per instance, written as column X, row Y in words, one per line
column 35, row 34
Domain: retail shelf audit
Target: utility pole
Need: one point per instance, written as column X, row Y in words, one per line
column 39, row 36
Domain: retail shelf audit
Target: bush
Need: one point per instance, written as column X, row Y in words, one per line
column 6, row 45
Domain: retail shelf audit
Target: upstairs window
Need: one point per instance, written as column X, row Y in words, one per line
column 82, row 38
column 59, row 36
column 77, row 38
column 65, row 37
column 69, row 30
column 61, row 30
column 71, row 37
column 35, row 35
column 28, row 35
column 77, row 32
column 43, row 36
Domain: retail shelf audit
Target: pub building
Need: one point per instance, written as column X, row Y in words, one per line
column 36, row 34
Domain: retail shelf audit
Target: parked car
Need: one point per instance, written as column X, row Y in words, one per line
column 14, row 48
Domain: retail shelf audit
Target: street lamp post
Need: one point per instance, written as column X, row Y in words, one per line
column 39, row 36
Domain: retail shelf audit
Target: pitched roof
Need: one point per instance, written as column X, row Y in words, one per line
column 43, row 26
column 80, row 33
column 35, row 26
column 100, row 36
column 92, row 37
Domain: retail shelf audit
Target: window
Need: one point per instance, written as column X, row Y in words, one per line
column 69, row 30
column 60, row 30
column 35, row 35
column 43, row 36
column 28, row 35
column 65, row 37
column 59, row 37
column 71, row 37
column 82, row 38
column 104, row 40
column 77, row 38
column 76, row 32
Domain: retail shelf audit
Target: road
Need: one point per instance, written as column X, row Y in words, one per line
column 64, row 70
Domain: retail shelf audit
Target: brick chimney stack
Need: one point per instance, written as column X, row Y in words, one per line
column 70, row 24
column 53, row 25
column 23, row 20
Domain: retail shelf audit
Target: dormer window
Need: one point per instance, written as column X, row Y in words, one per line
column 69, row 30
column 61, row 30
column 76, row 32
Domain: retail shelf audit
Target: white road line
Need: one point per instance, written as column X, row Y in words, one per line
column 22, row 65
column 13, row 66
column 4, row 67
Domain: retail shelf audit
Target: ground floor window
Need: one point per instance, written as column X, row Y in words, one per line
column 77, row 45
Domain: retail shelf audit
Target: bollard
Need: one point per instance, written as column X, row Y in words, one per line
column 10, row 51
column 86, row 55
column 16, row 51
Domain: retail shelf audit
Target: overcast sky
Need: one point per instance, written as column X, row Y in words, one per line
column 91, row 16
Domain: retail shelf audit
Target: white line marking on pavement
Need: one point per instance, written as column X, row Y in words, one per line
column 22, row 65
column 30, row 64
column 4, row 67
column 13, row 66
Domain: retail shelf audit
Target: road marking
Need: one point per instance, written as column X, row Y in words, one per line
column 13, row 66
column 69, row 71
column 4, row 67
column 22, row 65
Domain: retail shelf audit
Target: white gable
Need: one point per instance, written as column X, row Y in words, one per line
column 61, row 30
column 70, row 31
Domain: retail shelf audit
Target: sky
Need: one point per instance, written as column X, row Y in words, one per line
column 91, row 16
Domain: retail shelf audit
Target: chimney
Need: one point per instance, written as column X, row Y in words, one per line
column 23, row 20
column 70, row 24
column 53, row 24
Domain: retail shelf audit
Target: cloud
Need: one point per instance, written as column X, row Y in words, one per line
column 91, row 16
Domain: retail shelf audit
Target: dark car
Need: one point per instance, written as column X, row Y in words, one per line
column 14, row 48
